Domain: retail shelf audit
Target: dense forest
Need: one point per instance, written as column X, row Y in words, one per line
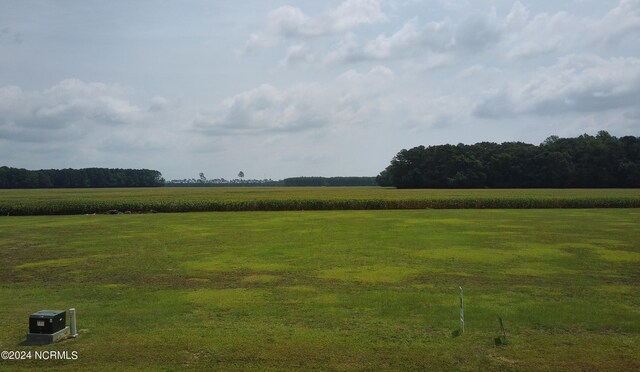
column 15, row 178
column 586, row 161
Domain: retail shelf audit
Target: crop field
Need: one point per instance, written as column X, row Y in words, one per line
column 199, row 199
column 327, row 290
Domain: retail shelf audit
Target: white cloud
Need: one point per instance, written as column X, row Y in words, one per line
column 353, row 13
column 544, row 34
column 563, row 32
column 579, row 84
column 259, row 110
column 518, row 16
column 398, row 44
column 351, row 99
column 516, row 35
column 298, row 54
column 431, row 45
column 70, row 109
column 620, row 23
column 289, row 22
column 73, row 100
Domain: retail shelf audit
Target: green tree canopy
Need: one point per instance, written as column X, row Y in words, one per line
column 15, row 178
column 586, row 161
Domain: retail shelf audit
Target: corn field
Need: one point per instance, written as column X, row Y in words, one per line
column 149, row 200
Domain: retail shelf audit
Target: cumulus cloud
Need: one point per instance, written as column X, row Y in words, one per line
column 298, row 54
column 433, row 44
column 353, row 13
column 518, row 16
column 259, row 110
column 403, row 42
column 620, row 23
column 564, row 32
column 352, row 98
column 544, row 34
column 288, row 22
column 69, row 109
column 515, row 35
column 578, row 84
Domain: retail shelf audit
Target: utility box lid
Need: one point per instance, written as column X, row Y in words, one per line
column 47, row 321
column 47, row 314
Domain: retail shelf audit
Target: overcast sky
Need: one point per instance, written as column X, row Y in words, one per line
column 302, row 88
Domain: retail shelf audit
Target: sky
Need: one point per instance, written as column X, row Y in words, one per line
column 281, row 89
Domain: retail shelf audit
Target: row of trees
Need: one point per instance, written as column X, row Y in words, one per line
column 586, row 161
column 294, row 181
column 330, row 181
column 17, row 178
column 221, row 182
column 203, row 181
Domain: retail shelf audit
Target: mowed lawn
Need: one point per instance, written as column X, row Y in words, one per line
column 329, row 290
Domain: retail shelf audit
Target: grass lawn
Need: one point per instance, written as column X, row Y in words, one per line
column 329, row 289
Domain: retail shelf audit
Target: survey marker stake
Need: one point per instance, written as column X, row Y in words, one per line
column 461, row 312
column 502, row 335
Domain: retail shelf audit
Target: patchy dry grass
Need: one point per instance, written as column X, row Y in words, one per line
column 330, row 290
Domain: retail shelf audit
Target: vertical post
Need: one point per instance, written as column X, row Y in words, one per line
column 72, row 320
column 461, row 312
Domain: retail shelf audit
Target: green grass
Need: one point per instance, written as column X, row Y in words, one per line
column 87, row 201
column 329, row 290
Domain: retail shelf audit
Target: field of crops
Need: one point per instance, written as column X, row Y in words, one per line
column 329, row 290
column 88, row 201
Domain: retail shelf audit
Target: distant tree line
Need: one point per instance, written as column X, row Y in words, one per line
column 17, row 178
column 221, row 182
column 293, row 181
column 330, row 181
column 203, row 181
column 583, row 162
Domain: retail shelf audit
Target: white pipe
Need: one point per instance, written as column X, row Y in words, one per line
column 72, row 318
